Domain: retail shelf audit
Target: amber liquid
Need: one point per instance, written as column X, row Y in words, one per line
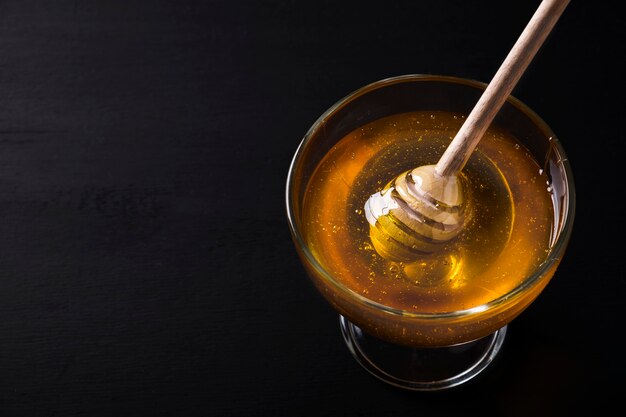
column 506, row 237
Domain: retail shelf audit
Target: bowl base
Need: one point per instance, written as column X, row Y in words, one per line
column 421, row 369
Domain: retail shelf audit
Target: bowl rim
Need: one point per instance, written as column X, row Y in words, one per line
column 554, row 256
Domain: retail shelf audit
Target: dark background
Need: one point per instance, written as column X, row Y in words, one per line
column 146, row 266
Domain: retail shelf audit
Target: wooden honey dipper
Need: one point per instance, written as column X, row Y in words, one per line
column 423, row 208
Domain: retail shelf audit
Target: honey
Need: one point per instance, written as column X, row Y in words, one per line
column 506, row 236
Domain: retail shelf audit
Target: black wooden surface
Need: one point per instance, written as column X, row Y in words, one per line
column 146, row 267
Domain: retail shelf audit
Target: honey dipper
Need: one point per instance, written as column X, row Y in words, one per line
column 423, row 208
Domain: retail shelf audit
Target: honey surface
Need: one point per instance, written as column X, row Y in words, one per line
column 506, row 236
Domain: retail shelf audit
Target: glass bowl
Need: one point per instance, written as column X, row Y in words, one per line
column 426, row 346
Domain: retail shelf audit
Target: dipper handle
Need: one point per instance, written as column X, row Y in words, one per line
column 500, row 87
